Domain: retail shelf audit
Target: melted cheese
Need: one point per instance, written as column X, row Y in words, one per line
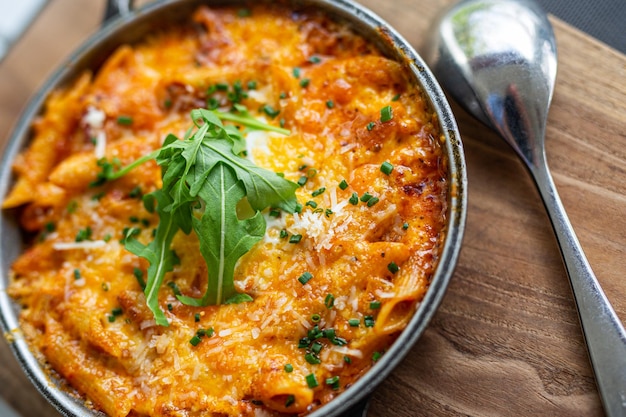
column 84, row 309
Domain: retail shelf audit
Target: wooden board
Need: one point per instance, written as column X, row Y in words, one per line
column 506, row 339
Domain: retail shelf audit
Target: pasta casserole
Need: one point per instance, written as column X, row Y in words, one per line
column 249, row 306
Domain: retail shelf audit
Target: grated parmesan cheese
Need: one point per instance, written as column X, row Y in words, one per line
column 85, row 245
column 94, row 118
column 225, row 332
column 94, row 121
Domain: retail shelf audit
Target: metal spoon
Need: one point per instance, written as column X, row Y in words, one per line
column 497, row 58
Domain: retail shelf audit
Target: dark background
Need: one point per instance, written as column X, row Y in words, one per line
column 602, row 19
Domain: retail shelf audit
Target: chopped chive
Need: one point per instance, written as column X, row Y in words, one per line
column 328, row 212
column 376, row 356
column 333, row 382
column 76, row 273
column 221, row 86
column 386, row 168
column 339, row 341
column 374, row 305
column 282, row 95
column 298, row 208
column 305, row 277
column 386, row 114
column 295, row 238
column 329, row 333
column 205, row 332
column 311, row 381
column 405, row 226
column 270, row 111
column 316, row 347
column 318, row 192
column 105, row 287
column 114, row 314
column 315, row 333
column 315, row 318
column 281, row 122
column 136, row 192
column 174, row 288
column 347, row 359
column 304, row 83
column 366, row 197
column 133, row 219
column 354, row 322
column 329, row 301
column 195, row 340
column 212, row 103
column 311, row 203
column 290, row 400
column 238, row 90
column 296, row 72
column 393, row 267
column 170, row 307
column 289, row 368
column 315, row 59
column 302, row 180
column 330, row 104
column 354, row 200
column 372, row 201
column 370, row 126
column 283, row 234
column 167, row 103
column 124, row 120
column 274, row 212
column 396, row 97
column 107, row 237
column 304, row 343
column 368, row 321
column 343, row 184
column 252, row 85
column 196, row 317
column 312, row 358
column 83, row 234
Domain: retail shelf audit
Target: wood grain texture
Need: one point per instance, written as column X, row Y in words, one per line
column 506, row 339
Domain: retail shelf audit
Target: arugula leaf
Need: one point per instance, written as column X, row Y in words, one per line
column 204, row 179
column 162, row 259
column 263, row 188
column 225, row 238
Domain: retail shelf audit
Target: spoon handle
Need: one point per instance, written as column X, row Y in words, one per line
column 602, row 329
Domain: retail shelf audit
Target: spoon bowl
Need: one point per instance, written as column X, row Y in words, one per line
column 498, row 60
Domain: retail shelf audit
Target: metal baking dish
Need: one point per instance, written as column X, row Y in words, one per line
column 125, row 25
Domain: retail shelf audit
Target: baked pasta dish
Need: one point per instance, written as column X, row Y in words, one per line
column 235, row 217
